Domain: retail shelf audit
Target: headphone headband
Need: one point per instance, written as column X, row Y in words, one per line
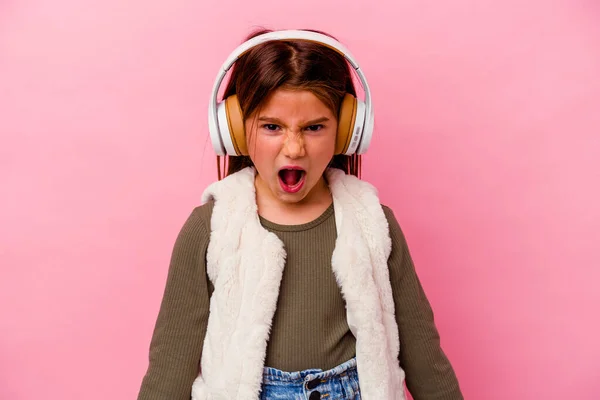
column 289, row 35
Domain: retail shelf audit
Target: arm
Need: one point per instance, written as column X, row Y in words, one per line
column 176, row 345
column 429, row 374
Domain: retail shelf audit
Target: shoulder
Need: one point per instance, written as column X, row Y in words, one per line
column 390, row 216
column 202, row 214
column 389, row 213
column 197, row 225
column 395, row 229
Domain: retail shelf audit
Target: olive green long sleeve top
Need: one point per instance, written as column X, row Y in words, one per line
column 309, row 328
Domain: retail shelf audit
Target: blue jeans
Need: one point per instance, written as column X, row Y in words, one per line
column 339, row 383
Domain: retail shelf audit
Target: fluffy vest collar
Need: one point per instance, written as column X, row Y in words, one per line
column 245, row 264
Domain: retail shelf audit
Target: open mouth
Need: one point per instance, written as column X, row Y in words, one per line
column 291, row 179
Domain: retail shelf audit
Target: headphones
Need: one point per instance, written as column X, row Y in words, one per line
column 226, row 122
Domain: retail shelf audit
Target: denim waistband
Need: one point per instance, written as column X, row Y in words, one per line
column 272, row 375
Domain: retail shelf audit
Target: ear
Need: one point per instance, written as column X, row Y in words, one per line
column 346, row 121
column 235, row 119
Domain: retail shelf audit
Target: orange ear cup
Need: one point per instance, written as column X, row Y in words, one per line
column 346, row 120
column 235, row 120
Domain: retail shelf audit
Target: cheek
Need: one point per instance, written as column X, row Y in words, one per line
column 252, row 140
column 322, row 148
column 262, row 149
column 250, row 133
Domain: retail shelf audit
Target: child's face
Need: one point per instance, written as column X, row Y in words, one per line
column 292, row 130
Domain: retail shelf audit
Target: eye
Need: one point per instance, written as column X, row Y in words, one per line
column 314, row 128
column 270, row 127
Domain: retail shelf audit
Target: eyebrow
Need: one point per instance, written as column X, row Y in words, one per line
column 280, row 122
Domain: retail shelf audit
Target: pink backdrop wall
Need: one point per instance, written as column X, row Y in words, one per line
column 487, row 147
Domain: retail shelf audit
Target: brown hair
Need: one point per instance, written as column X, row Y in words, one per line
column 292, row 64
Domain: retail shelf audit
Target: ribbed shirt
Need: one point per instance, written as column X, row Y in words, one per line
column 309, row 328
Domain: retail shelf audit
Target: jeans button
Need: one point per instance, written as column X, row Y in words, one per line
column 314, row 396
column 313, row 384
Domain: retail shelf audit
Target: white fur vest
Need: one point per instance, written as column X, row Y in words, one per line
column 245, row 264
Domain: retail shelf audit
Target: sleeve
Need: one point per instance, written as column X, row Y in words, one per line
column 176, row 345
column 429, row 374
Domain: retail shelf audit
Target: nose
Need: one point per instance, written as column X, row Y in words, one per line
column 293, row 145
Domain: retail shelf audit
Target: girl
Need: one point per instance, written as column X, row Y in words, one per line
column 291, row 280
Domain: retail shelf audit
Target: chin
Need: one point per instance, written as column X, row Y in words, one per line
column 289, row 198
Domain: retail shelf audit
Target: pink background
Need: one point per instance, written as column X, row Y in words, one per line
column 487, row 147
